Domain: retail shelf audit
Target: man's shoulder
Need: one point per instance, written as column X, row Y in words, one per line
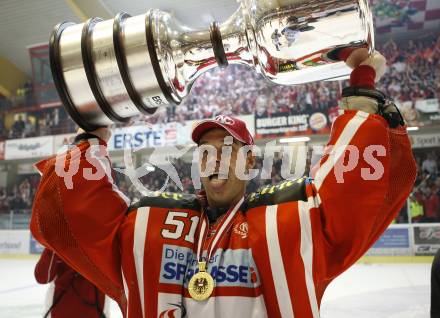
column 286, row 191
column 168, row 200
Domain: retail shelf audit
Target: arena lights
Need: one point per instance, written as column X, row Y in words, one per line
column 294, row 140
column 412, row 128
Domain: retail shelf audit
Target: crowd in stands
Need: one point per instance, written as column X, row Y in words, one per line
column 19, row 197
column 425, row 198
column 413, row 73
column 53, row 121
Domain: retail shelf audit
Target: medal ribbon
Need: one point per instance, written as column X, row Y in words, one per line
column 226, row 222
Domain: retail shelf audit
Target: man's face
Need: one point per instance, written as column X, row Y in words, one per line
column 222, row 192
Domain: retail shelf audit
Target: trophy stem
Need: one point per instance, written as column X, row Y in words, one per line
column 184, row 54
column 238, row 41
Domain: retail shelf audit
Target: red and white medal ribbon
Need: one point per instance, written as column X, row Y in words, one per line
column 201, row 285
column 226, row 222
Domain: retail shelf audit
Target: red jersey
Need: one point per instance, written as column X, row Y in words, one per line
column 69, row 295
column 285, row 245
column 432, row 206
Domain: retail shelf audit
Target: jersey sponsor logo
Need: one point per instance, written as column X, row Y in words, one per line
column 430, row 233
column 241, row 229
column 318, row 121
column 174, row 312
column 233, row 268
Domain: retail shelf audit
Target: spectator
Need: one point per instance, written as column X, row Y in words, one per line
column 17, row 204
column 29, row 128
column 431, row 205
column 25, row 192
column 3, row 201
column 17, row 128
column 19, row 198
column 430, row 165
column 2, row 128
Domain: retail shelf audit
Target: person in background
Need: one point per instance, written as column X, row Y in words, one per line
column 15, row 202
column 276, row 39
column 25, row 192
column 429, row 165
column 18, row 128
column 4, row 207
column 69, row 295
column 415, row 207
column 431, row 205
column 29, row 128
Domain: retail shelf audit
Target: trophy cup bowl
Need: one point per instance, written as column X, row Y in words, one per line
column 110, row 71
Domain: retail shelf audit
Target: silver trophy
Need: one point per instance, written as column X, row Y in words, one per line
column 109, row 71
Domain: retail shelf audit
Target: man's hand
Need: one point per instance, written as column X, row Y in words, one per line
column 378, row 62
column 103, row 133
column 356, row 57
column 361, row 57
column 367, row 69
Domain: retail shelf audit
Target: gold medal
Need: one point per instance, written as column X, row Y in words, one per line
column 201, row 285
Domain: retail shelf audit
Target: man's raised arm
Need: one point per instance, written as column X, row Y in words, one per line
column 78, row 210
column 362, row 182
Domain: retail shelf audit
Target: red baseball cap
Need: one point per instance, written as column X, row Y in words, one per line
column 236, row 127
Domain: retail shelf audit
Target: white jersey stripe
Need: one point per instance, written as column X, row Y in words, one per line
column 307, row 252
column 276, row 263
column 126, row 291
column 49, row 298
column 50, row 267
column 344, row 139
column 106, row 308
column 140, row 233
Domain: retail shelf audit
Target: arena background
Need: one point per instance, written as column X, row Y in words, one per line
column 34, row 125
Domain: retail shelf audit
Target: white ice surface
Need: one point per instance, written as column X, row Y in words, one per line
column 364, row 291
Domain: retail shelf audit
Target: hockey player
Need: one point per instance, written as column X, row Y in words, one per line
column 69, row 295
column 276, row 39
column 224, row 254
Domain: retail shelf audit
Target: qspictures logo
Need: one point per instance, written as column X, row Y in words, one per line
column 342, row 159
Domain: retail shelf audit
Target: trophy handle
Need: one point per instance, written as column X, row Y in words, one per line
column 60, row 83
